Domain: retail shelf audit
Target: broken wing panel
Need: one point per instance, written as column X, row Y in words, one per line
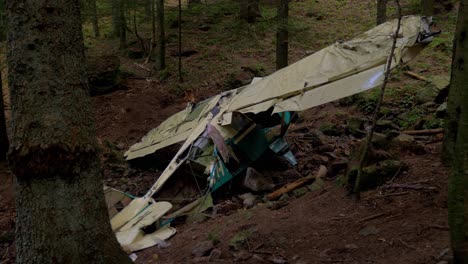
column 330, row 92
column 175, row 129
column 365, row 52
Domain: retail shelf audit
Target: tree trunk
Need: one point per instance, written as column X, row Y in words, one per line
column 61, row 212
column 282, row 34
column 94, row 17
column 381, row 11
column 161, row 36
column 427, row 7
column 249, row 10
column 148, row 8
column 457, row 75
column 3, row 126
column 122, row 25
column 457, row 141
column 180, row 42
column 115, row 18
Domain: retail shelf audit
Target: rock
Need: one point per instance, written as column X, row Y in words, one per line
column 380, row 140
column 330, row 129
column 256, row 181
column 204, row 27
column 317, row 185
column 354, row 126
column 242, row 255
column 441, row 110
column 369, row 230
column 284, row 198
column 277, row 260
column 428, row 93
column 239, row 239
column 384, row 125
column 379, row 173
column 404, row 142
column 215, row 254
column 203, row 249
column 200, row 259
column 248, row 199
column 336, row 166
column 351, row 246
column 300, row 192
column 103, row 74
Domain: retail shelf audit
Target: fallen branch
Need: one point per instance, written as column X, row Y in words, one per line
column 142, row 67
column 416, row 76
column 408, row 186
column 424, row 132
column 289, row 187
column 365, row 219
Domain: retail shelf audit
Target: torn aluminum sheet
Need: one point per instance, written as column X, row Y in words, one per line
column 130, row 234
column 255, row 118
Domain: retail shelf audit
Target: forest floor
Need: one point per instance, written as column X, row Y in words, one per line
column 326, row 226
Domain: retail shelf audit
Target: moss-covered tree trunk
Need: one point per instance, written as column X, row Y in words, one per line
column 61, row 211
column 381, row 11
column 456, row 141
column 282, row 34
column 161, row 36
column 3, row 126
column 458, row 77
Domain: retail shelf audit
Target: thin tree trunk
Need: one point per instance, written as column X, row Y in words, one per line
column 122, row 25
column 3, row 127
column 161, row 39
column 94, row 17
column 153, row 32
column 457, row 74
column 148, row 8
column 427, row 7
column 456, row 140
column 249, row 10
column 180, row 42
column 381, row 11
column 61, row 212
column 115, row 18
column 282, row 34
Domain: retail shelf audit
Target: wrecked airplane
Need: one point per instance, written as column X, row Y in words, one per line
column 226, row 133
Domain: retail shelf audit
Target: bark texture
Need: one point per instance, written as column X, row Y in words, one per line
column 381, row 11
column 458, row 77
column 282, row 34
column 457, row 141
column 3, row 127
column 122, row 25
column 161, row 36
column 61, row 212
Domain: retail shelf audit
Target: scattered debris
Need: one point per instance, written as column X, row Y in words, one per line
column 369, row 230
column 256, row 181
column 203, row 249
column 424, row 132
column 225, row 135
